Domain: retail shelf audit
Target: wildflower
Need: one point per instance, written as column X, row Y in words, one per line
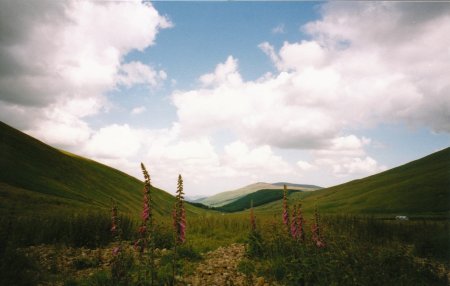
column 146, row 209
column 146, row 230
column 138, row 246
column 179, row 214
column 299, row 218
column 179, row 224
column 294, row 228
column 147, row 219
column 116, row 251
column 252, row 218
column 316, row 230
column 114, row 221
column 142, row 229
column 183, row 224
column 285, row 208
column 320, row 244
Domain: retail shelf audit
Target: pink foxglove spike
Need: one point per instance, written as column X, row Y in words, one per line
column 285, row 208
column 294, row 223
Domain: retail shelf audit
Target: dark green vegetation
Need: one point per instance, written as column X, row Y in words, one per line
column 259, row 198
column 305, row 186
column 419, row 188
column 50, row 197
column 228, row 197
column 358, row 251
column 37, row 178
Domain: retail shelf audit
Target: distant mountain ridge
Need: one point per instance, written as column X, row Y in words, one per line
column 298, row 185
column 228, row 197
column 258, row 198
column 194, row 199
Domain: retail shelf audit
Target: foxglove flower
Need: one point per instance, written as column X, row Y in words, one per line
column 114, row 220
column 252, row 218
column 179, row 214
column 146, row 215
column 316, row 231
column 146, row 209
column 299, row 218
column 285, row 208
column 183, row 224
column 294, row 228
column 116, row 251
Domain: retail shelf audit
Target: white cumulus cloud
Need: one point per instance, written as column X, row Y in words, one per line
column 58, row 55
column 349, row 74
column 134, row 73
column 138, row 110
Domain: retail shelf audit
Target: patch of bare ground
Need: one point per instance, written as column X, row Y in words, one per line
column 220, row 268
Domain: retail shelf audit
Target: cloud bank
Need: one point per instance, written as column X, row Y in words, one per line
column 59, row 59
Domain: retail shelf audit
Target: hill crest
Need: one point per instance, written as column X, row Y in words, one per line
column 418, row 188
column 228, row 197
column 36, row 177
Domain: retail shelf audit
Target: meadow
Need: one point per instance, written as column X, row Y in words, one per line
column 358, row 250
column 58, row 227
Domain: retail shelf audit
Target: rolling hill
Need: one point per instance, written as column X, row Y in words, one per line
column 259, row 198
column 35, row 177
column 303, row 186
column 418, row 188
column 228, row 197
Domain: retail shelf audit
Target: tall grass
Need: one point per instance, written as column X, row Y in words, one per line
column 358, row 251
column 428, row 238
column 211, row 231
column 78, row 230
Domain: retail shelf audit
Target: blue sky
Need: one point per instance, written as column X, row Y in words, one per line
column 230, row 93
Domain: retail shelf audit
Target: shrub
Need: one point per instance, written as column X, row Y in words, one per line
column 18, row 269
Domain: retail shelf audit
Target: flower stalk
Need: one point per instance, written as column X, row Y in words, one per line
column 294, row 226
column 179, row 214
column 285, row 208
column 252, row 218
column 316, row 230
column 118, row 272
column 146, row 230
column 179, row 223
column 300, row 223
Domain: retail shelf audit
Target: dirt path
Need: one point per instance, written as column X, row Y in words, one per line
column 219, row 268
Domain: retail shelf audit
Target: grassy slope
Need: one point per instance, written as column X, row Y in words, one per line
column 259, row 198
column 305, row 186
column 35, row 177
column 228, row 197
column 421, row 187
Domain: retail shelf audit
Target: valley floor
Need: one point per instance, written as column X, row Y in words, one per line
column 219, row 267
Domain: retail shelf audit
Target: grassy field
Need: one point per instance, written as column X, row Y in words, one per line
column 55, row 226
column 355, row 251
column 37, row 178
column 418, row 189
column 358, row 250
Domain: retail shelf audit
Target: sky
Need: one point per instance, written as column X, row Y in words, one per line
column 230, row 93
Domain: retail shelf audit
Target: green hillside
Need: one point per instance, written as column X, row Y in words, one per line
column 228, row 197
column 259, row 198
column 418, row 188
column 304, row 186
column 35, row 177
